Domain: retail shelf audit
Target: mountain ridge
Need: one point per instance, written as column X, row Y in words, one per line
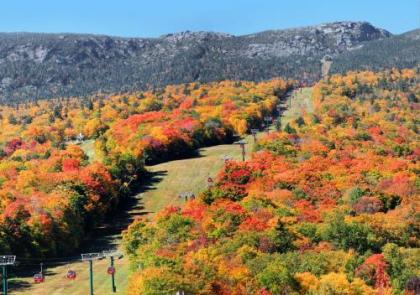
column 199, row 31
column 37, row 65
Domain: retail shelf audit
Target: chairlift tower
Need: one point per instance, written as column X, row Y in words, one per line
column 254, row 134
column 242, row 144
column 6, row 260
column 268, row 120
column 111, row 269
column 91, row 257
column 279, row 109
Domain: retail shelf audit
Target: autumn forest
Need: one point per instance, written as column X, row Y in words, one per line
column 326, row 203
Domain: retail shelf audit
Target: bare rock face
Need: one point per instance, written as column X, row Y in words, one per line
column 26, row 52
column 189, row 36
column 51, row 65
column 331, row 38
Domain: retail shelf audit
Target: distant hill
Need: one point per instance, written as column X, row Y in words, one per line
column 401, row 51
column 50, row 65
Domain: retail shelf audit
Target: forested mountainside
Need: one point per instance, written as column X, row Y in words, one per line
column 52, row 194
column 328, row 202
column 61, row 65
column 401, row 51
column 326, row 205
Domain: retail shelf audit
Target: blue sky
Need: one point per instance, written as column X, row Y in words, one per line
column 156, row 17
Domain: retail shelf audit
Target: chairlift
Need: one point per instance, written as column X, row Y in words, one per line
column 71, row 275
column 111, row 270
column 39, row 278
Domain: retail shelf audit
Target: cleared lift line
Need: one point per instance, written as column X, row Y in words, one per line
column 206, row 167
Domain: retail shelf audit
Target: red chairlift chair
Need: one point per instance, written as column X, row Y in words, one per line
column 111, row 270
column 71, row 275
column 39, row 278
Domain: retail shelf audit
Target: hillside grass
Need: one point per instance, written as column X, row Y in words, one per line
column 299, row 102
column 88, row 147
column 187, row 175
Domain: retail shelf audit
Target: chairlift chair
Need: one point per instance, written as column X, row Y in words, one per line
column 71, row 275
column 111, row 270
column 39, row 278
